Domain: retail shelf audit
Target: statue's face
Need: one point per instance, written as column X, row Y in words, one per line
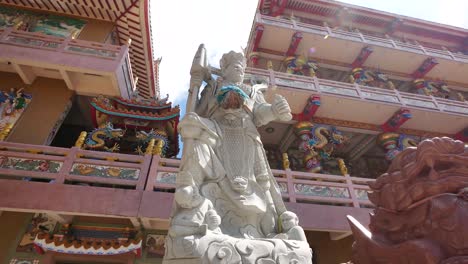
column 289, row 223
column 232, row 101
column 234, row 72
column 188, row 197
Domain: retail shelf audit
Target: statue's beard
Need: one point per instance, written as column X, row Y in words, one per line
column 232, row 100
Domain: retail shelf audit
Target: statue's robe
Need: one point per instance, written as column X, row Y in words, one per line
column 230, row 147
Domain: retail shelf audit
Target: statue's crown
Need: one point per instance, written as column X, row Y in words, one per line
column 231, row 57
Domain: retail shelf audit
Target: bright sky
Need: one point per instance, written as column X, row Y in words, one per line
column 180, row 26
column 224, row 25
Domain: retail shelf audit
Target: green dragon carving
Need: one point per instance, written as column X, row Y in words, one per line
column 97, row 139
column 145, row 137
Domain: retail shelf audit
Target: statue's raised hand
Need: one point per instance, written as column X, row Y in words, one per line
column 280, row 108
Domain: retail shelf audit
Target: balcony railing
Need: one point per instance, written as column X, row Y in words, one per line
column 80, row 63
column 59, row 44
column 395, row 97
column 359, row 37
column 155, row 174
column 73, row 166
column 295, row 186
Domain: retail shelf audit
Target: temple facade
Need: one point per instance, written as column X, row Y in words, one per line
column 88, row 145
column 82, row 122
column 363, row 85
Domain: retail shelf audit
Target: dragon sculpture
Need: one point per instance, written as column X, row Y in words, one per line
column 434, row 88
column 145, row 137
column 421, row 208
column 367, row 77
column 99, row 138
column 317, row 143
column 299, row 65
column 394, row 143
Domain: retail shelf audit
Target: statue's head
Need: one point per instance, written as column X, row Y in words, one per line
column 188, row 196
column 289, row 220
column 232, row 66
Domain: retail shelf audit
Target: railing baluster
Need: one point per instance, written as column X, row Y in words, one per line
column 358, row 90
column 62, row 47
column 316, row 84
column 325, row 25
column 399, row 97
column 144, row 172
column 6, row 32
column 290, row 184
column 67, row 165
column 153, row 173
column 362, row 37
column 122, row 52
column 422, row 48
column 272, row 78
column 351, row 189
column 434, row 101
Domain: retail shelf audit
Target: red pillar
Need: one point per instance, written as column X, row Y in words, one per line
column 397, row 120
column 425, row 67
column 313, row 103
column 295, row 40
column 258, row 36
column 362, row 57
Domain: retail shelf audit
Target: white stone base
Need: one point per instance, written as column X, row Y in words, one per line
column 183, row 261
column 225, row 249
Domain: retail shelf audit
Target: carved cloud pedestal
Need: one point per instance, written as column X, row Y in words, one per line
column 229, row 250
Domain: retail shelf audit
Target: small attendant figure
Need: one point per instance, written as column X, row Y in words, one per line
column 290, row 227
column 196, row 215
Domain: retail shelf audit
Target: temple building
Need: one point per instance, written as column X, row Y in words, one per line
column 82, row 122
column 88, row 144
column 363, row 85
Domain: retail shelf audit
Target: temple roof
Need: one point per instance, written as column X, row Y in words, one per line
column 103, row 107
column 149, row 104
column 132, row 21
column 48, row 242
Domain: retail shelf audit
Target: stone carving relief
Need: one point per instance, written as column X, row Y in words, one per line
column 228, row 207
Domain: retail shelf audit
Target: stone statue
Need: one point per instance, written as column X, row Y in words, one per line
column 228, row 206
column 196, row 216
column 290, row 227
column 421, row 208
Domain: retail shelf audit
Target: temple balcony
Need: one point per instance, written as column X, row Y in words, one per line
column 72, row 181
column 89, row 68
column 337, row 45
column 367, row 105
